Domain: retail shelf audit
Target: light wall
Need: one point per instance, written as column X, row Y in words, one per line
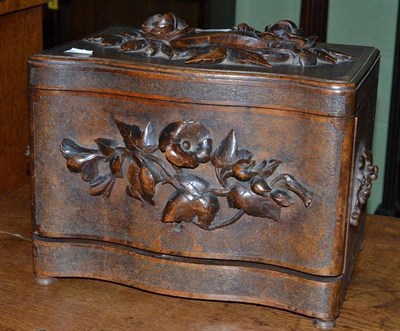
column 357, row 22
column 370, row 23
column 259, row 13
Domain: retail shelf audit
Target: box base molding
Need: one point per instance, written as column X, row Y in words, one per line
column 308, row 295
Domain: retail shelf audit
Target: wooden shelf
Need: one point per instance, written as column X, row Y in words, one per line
column 20, row 36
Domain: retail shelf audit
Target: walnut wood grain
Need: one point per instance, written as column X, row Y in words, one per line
column 121, row 219
column 21, row 35
column 311, row 121
column 372, row 301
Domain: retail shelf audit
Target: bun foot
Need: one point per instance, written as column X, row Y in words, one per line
column 324, row 324
column 45, row 281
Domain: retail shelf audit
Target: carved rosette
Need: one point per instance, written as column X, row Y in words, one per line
column 170, row 37
column 367, row 172
column 146, row 160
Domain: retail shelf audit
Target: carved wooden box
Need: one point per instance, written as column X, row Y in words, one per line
column 226, row 165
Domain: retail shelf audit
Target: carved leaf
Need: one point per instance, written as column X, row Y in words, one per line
column 106, row 40
column 244, row 154
column 102, row 184
column 324, row 55
column 152, row 48
column 76, row 155
column 307, row 58
column 167, row 50
column 95, row 167
column 149, row 140
column 246, row 27
column 299, row 41
column 266, row 169
column 90, row 170
column 193, row 184
column 212, row 55
column 116, row 165
column 69, row 148
column 145, row 140
column 133, row 45
column 242, row 197
column 228, row 39
column 181, row 207
column 106, row 146
column 178, row 209
column 142, row 183
column 247, row 57
column 133, row 193
column 111, row 40
column 340, row 55
column 269, row 36
column 277, row 57
column 226, row 152
column 147, row 182
column 130, row 133
column 205, row 209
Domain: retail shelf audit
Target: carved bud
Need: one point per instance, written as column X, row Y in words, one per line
column 166, row 26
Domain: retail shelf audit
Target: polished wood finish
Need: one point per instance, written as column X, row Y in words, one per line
column 372, row 301
column 20, row 36
column 266, row 170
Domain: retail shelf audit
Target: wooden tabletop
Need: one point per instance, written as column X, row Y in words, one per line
column 372, row 301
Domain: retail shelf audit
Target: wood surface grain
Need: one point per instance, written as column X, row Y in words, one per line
column 9, row 6
column 20, row 36
column 372, row 301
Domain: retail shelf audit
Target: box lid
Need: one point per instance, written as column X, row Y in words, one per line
column 239, row 66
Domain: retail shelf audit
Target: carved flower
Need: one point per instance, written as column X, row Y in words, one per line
column 166, row 26
column 186, row 143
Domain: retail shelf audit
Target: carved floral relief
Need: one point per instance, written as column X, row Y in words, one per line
column 367, row 172
column 148, row 161
column 170, row 37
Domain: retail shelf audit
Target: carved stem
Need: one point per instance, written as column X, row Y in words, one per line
column 222, row 179
column 220, row 223
column 220, row 192
column 170, row 178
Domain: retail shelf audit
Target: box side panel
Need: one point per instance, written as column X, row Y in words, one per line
column 223, row 87
column 312, row 149
column 363, row 172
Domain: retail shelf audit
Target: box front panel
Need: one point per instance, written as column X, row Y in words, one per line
column 306, row 156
